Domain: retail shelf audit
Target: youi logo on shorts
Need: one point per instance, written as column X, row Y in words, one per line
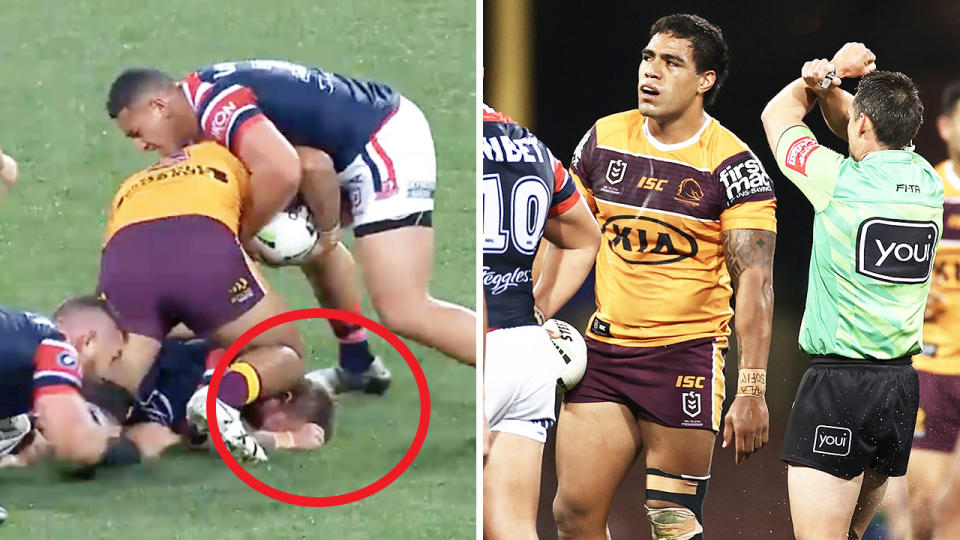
column 499, row 282
column 896, row 250
column 832, row 440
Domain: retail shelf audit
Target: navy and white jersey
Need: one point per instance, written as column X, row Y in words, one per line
column 35, row 359
column 310, row 107
column 165, row 391
column 522, row 185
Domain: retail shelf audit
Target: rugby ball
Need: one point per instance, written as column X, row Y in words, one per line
column 289, row 237
column 572, row 353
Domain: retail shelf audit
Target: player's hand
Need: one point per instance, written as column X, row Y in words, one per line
column 748, row 423
column 309, row 436
column 815, row 71
column 327, row 241
column 854, row 60
column 253, row 250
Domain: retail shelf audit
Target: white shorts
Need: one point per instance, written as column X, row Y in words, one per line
column 392, row 181
column 520, row 381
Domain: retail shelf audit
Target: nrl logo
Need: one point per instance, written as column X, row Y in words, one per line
column 616, row 170
column 691, row 404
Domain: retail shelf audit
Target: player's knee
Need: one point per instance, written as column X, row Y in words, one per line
column 292, row 359
column 675, row 504
column 571, row 515
column 404, row 317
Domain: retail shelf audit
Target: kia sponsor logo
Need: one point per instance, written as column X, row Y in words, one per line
column 832, row 440
column 895, row 250
column 496, row 283
column 645, row 240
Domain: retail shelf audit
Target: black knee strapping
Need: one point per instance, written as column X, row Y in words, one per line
column 693, row 501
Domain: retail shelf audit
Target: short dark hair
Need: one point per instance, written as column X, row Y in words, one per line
column 950, row 98
column 892, row 102
column 710, row 51
column 85, row 302
column 131, row 85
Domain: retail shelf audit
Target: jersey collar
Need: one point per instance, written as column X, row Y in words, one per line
column 663, row 147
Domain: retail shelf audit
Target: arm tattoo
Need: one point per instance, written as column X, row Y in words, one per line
column 746, row 248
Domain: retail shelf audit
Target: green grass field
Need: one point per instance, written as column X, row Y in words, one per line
column 58, row 60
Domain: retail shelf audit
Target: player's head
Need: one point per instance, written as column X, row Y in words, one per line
column 948, row 123
column 886, row 112
column 91, row 326
column 149, row 108
column 684, row 64
column 287, row 411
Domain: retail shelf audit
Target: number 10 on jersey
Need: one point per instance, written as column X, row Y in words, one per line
column 527, row 210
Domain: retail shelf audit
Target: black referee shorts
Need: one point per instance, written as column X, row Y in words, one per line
column 850, row 415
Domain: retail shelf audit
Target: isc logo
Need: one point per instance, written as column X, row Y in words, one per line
column 689, row 381
column 656, row 184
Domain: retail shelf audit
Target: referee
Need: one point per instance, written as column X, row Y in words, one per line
column 878, row 219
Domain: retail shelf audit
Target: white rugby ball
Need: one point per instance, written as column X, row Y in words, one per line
column 572, row 351
column 289, row 237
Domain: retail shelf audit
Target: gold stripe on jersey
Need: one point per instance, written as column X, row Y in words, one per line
column 940, row 334
column 662, row 209
column 719, row 381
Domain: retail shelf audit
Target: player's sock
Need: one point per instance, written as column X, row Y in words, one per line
column 213, row 358
column 355, row 356
column 240, row 385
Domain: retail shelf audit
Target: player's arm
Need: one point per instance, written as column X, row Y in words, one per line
column 308, row 436
column 151, row 438
column 274, row 174
column 574, row 239
column 320, row 187
column 749, row 259
column 68, row 427
column 233, row 118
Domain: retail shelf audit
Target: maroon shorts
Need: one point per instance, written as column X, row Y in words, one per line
column 185, row 269
column 679, row 385
column 938, row 420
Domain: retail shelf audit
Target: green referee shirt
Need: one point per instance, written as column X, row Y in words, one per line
column 877, row 226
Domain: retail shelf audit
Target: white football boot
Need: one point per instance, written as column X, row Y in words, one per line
column 12, row 431
column 241, row 444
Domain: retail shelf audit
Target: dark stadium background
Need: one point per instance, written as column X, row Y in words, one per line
column 577, row 61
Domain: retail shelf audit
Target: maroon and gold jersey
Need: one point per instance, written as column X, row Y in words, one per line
column 941, row 348
column 204, row 179
column 662, row 208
